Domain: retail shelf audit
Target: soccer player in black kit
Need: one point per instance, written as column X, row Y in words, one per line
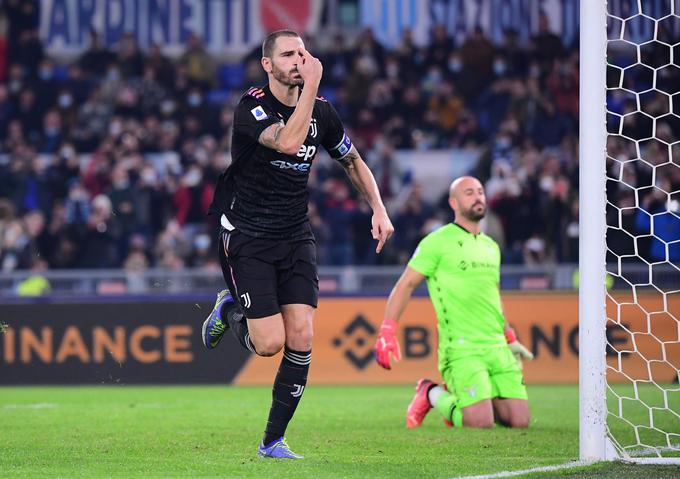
column 267, row 249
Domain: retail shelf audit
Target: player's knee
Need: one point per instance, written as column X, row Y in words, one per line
column 478, row 422
column 269, row 346
column 300, row 339
column 520, row 421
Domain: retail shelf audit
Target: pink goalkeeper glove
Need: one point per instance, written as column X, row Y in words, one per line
column 387, row 343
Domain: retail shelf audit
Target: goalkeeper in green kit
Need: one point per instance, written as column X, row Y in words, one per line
column 479, row 355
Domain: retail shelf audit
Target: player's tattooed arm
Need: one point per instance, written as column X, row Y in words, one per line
column 270, row 137
column 363, row 180
column 348, row 160
column 361, row 175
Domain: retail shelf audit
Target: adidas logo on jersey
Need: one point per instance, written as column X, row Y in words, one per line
column 255, row 92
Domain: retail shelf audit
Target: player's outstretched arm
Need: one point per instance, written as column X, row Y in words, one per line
column 287, row 138
column 363, row 180
column 387, row 343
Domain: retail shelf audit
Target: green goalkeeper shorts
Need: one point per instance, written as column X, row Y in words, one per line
column 484, row 373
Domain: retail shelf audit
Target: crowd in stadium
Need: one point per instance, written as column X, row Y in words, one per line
column 110, row 160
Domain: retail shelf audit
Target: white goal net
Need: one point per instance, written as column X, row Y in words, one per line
column 642, row 230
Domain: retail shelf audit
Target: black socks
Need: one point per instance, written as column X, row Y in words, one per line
column 287, row 391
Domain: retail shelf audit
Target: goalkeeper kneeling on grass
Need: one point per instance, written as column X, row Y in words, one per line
column 480, row 358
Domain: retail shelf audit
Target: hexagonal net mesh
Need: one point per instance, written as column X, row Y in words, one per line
column 643, row 227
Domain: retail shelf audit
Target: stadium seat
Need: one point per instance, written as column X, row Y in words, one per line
column 217, row 97
column 230, row 76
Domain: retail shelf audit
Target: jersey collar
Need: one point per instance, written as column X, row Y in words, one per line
column 279, row 106
column 466, row 230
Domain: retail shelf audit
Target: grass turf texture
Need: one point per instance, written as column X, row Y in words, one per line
column 210, row 431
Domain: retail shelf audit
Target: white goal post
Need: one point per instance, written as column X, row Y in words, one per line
column 629, row 402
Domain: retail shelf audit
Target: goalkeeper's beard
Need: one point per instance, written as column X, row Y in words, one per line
column 473, row 215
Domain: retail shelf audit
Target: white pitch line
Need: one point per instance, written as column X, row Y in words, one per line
column 557, row 467
column 42, row 405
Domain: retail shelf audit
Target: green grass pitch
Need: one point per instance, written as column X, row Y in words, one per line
column 212, row 431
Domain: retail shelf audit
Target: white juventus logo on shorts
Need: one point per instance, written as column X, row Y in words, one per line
column 298, row 390
column 246, row 300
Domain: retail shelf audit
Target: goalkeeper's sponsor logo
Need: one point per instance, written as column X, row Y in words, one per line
column 464, row 265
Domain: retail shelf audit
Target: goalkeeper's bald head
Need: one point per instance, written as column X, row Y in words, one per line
column 467, row 199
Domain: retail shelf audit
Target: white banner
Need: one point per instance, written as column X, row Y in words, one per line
column 389, row 18
column 227, row 27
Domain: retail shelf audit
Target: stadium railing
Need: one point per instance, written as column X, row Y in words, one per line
column 350, row 280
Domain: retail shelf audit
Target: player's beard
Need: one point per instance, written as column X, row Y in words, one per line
column 286, row 78
column 475, row 214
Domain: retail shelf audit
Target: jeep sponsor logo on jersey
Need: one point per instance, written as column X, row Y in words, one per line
column 306, row 152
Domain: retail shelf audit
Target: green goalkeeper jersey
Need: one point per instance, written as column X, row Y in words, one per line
column 463, row 274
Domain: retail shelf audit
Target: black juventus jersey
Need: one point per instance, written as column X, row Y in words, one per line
column 264, row 193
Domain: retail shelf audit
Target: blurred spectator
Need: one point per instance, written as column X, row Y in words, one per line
column 440, row 46
column 339, row 211
column 36, row 284
column 29, row 114
column 409, row 219
column 97, row 58
column 198, row 62
column 547, row 46
column 336, row 62
column 516, row 57
column 130, row 58
column 98, row 243
column 477, row 54
column 28, row 51
column 22, row 16
column 162, row 67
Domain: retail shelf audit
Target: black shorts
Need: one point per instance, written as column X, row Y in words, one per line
column 263, row 274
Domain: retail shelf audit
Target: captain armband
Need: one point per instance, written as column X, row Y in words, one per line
column 339, row 151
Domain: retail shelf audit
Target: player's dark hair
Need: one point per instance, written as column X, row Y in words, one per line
column 270, row 41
